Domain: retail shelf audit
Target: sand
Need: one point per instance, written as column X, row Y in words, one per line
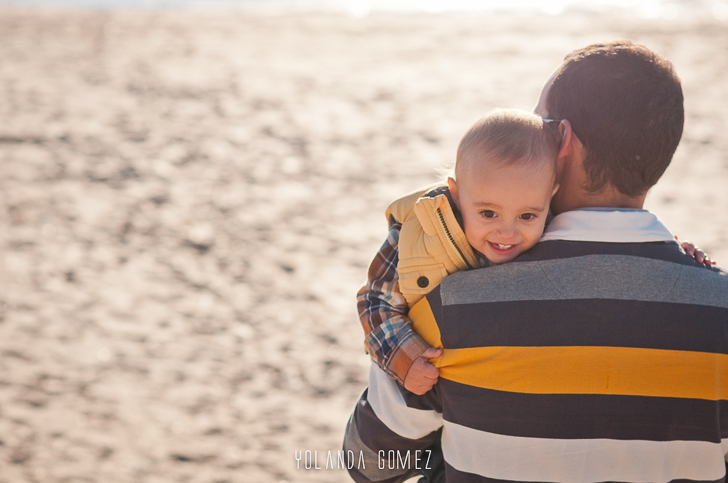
column 189, row 202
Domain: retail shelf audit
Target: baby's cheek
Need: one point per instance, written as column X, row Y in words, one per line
column 534, row 235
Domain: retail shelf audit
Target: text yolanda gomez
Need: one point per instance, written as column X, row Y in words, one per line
column 392, row 459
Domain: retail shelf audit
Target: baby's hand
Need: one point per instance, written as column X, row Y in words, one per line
column 422, row 375
column 699, row 255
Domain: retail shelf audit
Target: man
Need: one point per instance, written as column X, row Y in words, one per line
column 599, row 355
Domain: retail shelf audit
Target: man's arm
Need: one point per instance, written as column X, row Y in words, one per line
column 390, row 430
column 389, row 337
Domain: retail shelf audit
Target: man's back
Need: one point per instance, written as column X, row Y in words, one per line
column 583, row 361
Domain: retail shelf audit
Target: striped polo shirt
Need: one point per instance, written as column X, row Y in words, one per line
column 599, row 355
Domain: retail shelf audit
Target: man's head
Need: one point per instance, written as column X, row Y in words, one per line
column 624, row 103
column 504, row 179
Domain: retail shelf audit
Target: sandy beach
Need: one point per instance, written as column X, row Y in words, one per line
column 189, row 202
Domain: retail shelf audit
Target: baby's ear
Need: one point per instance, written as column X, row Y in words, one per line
column 452, row 185
column 556, row 188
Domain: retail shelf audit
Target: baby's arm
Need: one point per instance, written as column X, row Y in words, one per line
column 392, row 343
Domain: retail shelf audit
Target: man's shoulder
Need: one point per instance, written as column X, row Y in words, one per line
column 500, row 283
column 643, row 273
column 702, row 286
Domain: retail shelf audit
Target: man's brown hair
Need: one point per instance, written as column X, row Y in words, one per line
column 508, row 137
column 625, row 104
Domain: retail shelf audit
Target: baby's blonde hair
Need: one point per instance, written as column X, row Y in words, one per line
column 508, row 137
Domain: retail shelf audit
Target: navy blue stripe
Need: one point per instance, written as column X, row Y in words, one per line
column 584, row 416
column 586, row 322
column 435, row 301
column 555, row 249
column 431, row 400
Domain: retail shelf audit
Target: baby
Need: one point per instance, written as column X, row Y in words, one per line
column 492, row 209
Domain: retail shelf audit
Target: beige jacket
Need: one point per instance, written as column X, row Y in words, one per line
column 432, row 245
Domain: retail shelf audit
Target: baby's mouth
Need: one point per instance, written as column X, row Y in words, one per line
column 502, row 248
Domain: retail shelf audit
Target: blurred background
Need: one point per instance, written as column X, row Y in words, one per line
column 190, row 194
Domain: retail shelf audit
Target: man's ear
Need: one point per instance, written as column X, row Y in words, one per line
column 454, row 191
column 565, row 136
column 569, row 140
column 570, row 147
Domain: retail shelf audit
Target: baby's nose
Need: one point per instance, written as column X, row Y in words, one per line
column 507, row 229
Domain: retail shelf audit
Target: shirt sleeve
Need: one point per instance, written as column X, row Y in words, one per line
column 391, row 433
column 389, row 337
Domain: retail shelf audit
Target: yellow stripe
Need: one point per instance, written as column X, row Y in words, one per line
column 590, row 370
column 423, row 321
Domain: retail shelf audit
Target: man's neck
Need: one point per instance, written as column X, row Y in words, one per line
column 605, row 198
column 572, row 194
column 611, row 198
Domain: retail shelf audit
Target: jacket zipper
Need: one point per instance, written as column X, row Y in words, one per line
column 452, row 240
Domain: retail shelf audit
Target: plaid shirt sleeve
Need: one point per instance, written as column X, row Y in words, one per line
column 390, row 339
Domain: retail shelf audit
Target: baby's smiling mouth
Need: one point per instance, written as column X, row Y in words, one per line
column 502, row 247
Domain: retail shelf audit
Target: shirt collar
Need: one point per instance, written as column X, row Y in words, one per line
column 610, row 225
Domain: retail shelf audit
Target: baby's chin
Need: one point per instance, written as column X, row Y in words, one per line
column 502, row 260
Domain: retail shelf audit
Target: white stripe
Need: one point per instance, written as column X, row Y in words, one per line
column 602, row 225
column 579, row 460
column 389, row 406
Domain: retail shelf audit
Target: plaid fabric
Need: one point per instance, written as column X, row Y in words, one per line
column 390, row 339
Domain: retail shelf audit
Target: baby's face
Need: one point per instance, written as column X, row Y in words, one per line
column 504, row 208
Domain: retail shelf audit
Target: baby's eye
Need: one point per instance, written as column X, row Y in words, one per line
column 488, row 214
column 528, row 216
